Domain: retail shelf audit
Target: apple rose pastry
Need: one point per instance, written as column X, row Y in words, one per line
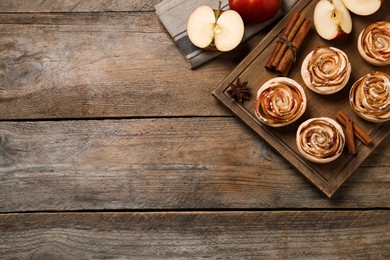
column 326, row 70
column 320, row 140
column 374, row 43
column 280, row 101
column 370, row 97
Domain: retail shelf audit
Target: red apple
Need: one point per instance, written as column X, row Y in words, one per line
column 215, row 30
column 363, row 7
column 332, row 19
column 255, row 11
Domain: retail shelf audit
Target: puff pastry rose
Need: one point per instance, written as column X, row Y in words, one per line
column 374, row 43
column 320, row 140
column 326, row 70
column 370, row 97
column 280, row 101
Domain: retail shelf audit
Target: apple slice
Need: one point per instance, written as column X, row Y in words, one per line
column 215, row 29
column 332, row 19
column 363, row 7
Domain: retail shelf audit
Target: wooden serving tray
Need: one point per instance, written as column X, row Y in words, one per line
column 326, row 177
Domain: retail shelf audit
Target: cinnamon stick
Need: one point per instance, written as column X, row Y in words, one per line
column 288, row 59
column 286, row 32
column 350, row 138
column 358, row 132
column 294, row 30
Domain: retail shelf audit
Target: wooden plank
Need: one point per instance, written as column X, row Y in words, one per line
column 76, row 5
column 101, row 65
column 280, row 234
column 182, row 163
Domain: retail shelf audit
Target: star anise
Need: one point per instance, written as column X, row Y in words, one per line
column 238, row 90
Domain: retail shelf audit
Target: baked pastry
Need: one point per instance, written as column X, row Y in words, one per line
column 370, row 97
column 320, row 140
column 326, row 70
column 280, row 101
column 374, row 43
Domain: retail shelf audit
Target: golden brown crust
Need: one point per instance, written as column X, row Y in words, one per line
column 320, row 140
column 374, row 43
column 280, row 101
column 370, row 97
column 326, row 70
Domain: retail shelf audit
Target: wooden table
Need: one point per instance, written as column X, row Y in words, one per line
column 111, row 148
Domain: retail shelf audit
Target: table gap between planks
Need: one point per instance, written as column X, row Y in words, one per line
column 111, row 148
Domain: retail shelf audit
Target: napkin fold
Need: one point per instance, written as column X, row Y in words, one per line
column 174, row 15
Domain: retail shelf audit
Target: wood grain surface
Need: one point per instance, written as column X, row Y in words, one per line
column 282, row 234
column 111, row 148
column 162, row 164
column 29, row 6
column 83, row 65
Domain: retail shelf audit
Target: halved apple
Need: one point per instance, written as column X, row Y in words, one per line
column 215, row 29
column 332, row 19
column 363, row 7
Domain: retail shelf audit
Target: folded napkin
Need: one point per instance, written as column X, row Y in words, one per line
column 174, row 15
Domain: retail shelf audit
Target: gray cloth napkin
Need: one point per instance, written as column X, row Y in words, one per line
column 174, row 15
